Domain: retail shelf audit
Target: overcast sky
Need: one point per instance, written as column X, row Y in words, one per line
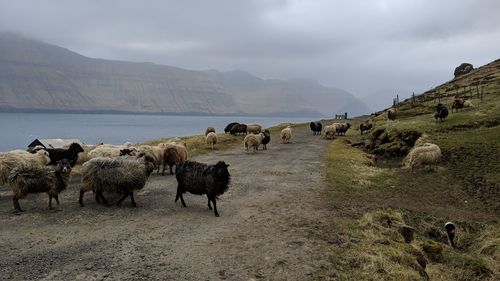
column 367, row 47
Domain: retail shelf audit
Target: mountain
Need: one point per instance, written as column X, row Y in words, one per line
column 35, row 76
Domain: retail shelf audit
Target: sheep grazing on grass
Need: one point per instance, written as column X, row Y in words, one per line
column 116, row 175
column 174, row 155
column 391, row 114
column 366, row 126
column 254, row 128
column 342, row 128
column 426, row 154
column 13, row 159
column 286, row 134
column 238, row 129
column 198, row 178
column 441, row 112
column 229, row 126
column 211, row 139
column 71, row 153
column 209, row 130
column 252, row 140
column 36, row 179
column 457, row 104
column 265, row 139
column 316, row 127
column 329, row 131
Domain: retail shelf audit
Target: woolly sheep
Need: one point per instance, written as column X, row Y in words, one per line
column 468, row 103
column 329, row 131
column 391, row 114
column 252, row 140
column 457, row 104
column 238, row 129
column 105, row 151
column 116, row 175
column 211, row 139
column 441, row 112
column 286, row 134
column 427, row 154
column 174, row 155
column 342, row 128
column 316, row 127
column 366, row 126
column 199, row 178
column 70, row 153
column 11, row 160
column 26, row 179
column 254, row 128
column 229, row 126
column 265, row 139
column 209, row 130
column 156, row 152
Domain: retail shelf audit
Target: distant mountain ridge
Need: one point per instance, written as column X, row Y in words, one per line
column 36, row 76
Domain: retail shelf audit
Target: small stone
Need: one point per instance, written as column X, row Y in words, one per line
column 383, row 241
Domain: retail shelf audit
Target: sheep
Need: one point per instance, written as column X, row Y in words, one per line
column 174, row 154
column 286, row 134
column 156, row 152
column 26, row 179
column 316, row 127
column 70, row 153
column 329, row 131
column 117, row 175
column 342, row 128
column 441, row 112
column 211, row 139
column 254, row 128
column 366, row 126
column 238, row 128
column 468, row 103
column 105, row 151
column 252, row 140
column 229, row 126
column 11, row 160
column 426, row 154
column 457, row 104
column 199, row 178
column 265, row 139
column 391, row 114
column 209, row 130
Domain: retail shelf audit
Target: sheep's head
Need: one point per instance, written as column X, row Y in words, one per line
column 221, row 170
column 63, row 166
column 76, row 147
column 127, row 151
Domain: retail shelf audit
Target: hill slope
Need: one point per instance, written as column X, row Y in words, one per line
column 39, row 76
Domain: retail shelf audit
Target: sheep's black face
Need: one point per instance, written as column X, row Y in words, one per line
column 76, row 147
column 126, row 151
column 221, row 169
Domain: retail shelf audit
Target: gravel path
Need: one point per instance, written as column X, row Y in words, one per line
column 268, row 229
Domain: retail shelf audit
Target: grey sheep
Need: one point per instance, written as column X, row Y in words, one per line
column 117, row 175
column 36, row 179
column 199, row 178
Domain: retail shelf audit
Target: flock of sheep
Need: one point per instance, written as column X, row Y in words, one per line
column 125, row 168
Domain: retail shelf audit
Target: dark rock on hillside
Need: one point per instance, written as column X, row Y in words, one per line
column 462, row 69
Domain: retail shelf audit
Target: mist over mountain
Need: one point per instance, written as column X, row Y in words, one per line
column 36, row 76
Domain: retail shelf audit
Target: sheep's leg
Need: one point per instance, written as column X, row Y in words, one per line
column 57, row 199
column 15, row 200
column 50, row 201
column 171, row 172
column 132, row 199
column 104, row 201
column 179, row 195
column 123, row 198
column 97, row 198
column 80, row 200
column 212, row 197
column 209, row 206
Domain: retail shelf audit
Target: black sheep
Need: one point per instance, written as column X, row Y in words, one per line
column 238, row 128
column 229, row 126
column 365, row 127
column 342, row 128
column 316, row 127
column 57, row 154
column 266, row 139
column 198, row 178
column 441, row 112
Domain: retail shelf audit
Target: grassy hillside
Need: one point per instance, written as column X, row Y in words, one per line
column 367, row 190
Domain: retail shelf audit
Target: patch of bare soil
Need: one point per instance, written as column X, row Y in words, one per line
column 267, row 229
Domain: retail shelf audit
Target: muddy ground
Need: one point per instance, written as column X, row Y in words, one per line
column 267, row 229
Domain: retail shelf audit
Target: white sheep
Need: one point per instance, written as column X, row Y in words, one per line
column 329, row 131
column 11, row 160
column 254, row 128
column 426, row 154
column 211, row 139
column 155, row 152
column 286, row 134
column 173, row 155
column 252, row 140
column 105, row 150
column 468, row 103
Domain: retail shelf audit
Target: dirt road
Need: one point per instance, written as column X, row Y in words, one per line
column 266, row 230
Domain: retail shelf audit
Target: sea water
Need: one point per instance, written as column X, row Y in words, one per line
column 17, row 130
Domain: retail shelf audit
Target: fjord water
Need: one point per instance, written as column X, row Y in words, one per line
column 20, row 129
